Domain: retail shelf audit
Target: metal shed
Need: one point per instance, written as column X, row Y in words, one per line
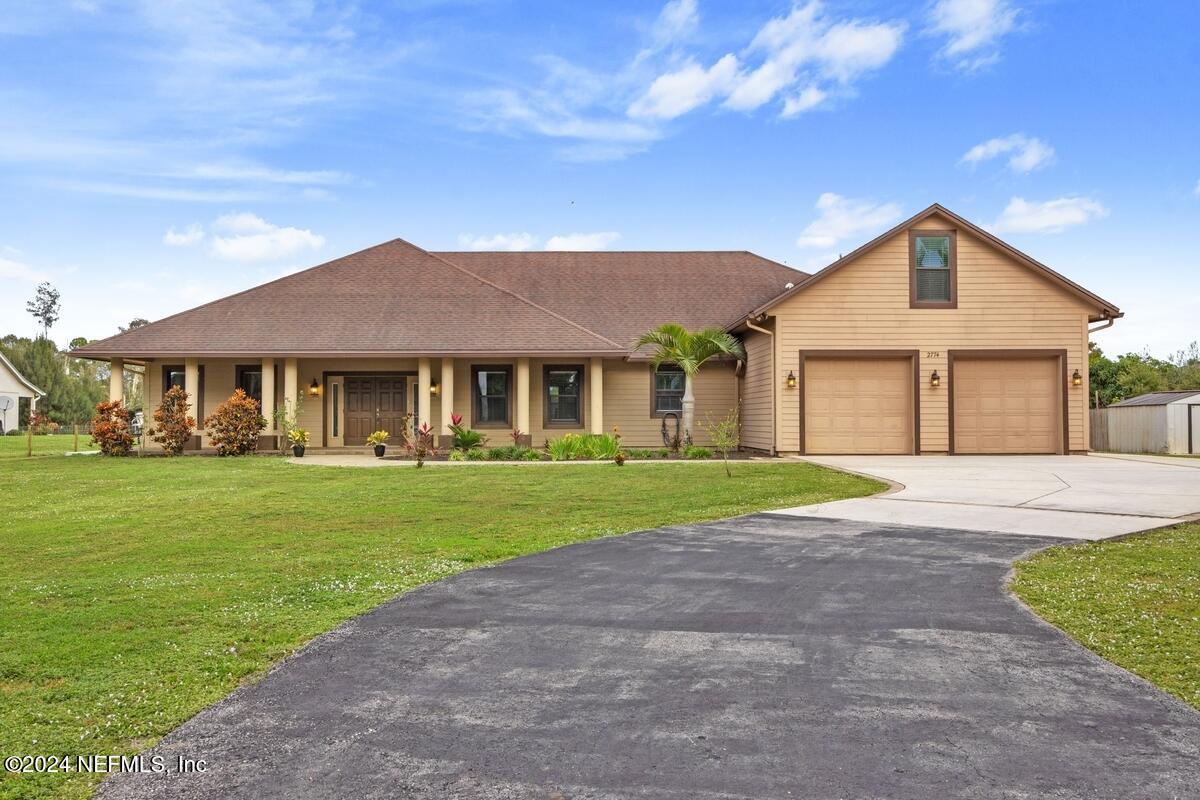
column 1159, row 422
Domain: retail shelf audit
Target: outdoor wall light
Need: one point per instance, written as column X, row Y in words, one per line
column 1077, row 379
column 314, row 389
column 435, row 389
column 791, row 380
column 935, row 380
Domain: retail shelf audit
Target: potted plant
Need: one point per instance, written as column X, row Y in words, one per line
column 299, row 439
column 378, row 440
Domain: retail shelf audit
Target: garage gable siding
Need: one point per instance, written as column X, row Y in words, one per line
column 865, row 305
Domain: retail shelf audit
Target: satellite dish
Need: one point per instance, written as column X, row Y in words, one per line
column 5, row 403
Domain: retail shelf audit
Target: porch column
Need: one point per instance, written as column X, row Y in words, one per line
column 447, row 394
column 191, row 385
column 290, row 388
column 268, row 394
column 596, row 392
column 423, row 396
column 523, row 395
column 116, row 381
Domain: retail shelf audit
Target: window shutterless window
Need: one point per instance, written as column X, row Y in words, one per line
column 491, row 396
column 562, row 396
column 176, row 375
column 249, row 380
column 933, row 269
column 668, row 390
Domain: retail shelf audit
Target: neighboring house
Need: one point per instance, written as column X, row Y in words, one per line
column 13, row 388
column 935, row 337
column 1158, row 422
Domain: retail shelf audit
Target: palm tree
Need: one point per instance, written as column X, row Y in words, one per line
column 674, row 344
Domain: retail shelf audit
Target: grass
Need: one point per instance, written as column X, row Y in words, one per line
column 1134, row 601
column 133, row 593
column 47, row 445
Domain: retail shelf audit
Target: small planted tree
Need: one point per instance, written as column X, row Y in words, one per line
column 173, row 426
column 726, row 436
column 235, row 425
column 674, row 344
column 420, row 444
column 110, row 429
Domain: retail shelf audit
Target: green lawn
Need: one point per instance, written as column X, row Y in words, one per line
column 137, row 591
column 48, row 445
column 1135, row 601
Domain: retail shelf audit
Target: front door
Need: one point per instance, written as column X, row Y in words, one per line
column 373, row 403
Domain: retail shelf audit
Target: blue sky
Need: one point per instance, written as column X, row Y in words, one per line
column 157, row 155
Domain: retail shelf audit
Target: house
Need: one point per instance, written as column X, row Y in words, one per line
column 935, row 337
column 1158, row 422
column 13, row 388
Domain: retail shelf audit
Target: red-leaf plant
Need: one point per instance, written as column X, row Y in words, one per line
column 175, row 427
column 110, row 429
column 420, row 445
column 234, row 425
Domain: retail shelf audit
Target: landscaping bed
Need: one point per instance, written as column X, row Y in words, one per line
column 1135, row 601
column 135, row 592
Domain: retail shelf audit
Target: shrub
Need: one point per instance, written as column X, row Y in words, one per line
column 664, row 452
column 235, row 425
column 513, row 453
column 475, row 454
column 464, row 437
column 639, row 453
column 619, row 460
column 173, row 425
column 420, row 444
column 457, row 455
column 42, row 424
column 592, row 446
column 726, row 436
column 110, row 429
column 695, row 451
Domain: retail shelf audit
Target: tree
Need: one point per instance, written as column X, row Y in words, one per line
column 44, row 307
column 135, row 323
column 674, row 344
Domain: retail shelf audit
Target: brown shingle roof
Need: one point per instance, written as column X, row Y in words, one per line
column 621, row 295
column 396, row 298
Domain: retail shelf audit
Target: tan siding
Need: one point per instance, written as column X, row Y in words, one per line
column 1001, row 305
column 757, row 393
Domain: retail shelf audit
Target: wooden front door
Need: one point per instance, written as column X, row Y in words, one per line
column 374, row 403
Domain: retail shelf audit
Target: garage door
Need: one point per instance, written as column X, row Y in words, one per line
column 858, row 405
column 1009, row 405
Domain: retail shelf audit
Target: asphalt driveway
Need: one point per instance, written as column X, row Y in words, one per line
column 768, row 656
column 1077, row 497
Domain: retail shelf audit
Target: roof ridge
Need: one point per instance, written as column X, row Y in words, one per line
column 518, row 296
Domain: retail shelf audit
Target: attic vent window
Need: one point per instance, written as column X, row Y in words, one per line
column 932, row 269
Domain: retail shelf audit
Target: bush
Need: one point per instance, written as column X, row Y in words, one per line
column 110, row 429
column 590, row 446
column 457, row 455
column 475, row 454
column 174, row 426
column 694, row 451
column 513, row 453
column 639, row 453
column 235, row 425
column 664, row 452
column 464, row 437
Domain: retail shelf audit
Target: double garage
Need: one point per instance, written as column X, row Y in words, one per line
column 996, row 401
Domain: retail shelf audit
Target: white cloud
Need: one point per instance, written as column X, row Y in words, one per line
column 1051, row 216
column 255, row 173
column 807, row 46
column 1196, row 191
column 809, row 98
column 158, row 192
column 500, row 241
column 583, row 241
column 678, row 19
column 973, row 29
column 192, row 234
column 19, row 271
column 678, row 92
column 842, row 217
column 1025, row 154
column 248, row 237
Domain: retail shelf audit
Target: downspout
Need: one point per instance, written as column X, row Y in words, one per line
column 1108, row 323
column 774, row 377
